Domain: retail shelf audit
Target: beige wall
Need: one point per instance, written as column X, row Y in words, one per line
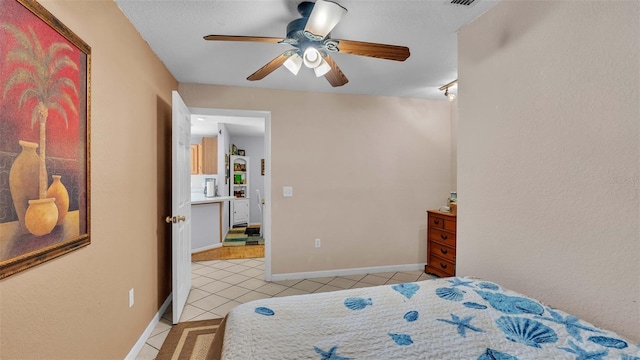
column 548, row 155
column 364, row 170
column 76, row 306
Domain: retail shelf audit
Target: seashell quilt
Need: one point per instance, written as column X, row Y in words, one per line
column 448, row 318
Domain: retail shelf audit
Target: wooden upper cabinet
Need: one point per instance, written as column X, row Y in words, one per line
column 209, row 149
column 196, row 159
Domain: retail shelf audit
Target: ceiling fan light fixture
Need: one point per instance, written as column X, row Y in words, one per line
column 312, row 58
column 293, row 63
column 324, row 17
column 322, row 69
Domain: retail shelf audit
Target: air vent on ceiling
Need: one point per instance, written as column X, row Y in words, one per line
column 462, row 2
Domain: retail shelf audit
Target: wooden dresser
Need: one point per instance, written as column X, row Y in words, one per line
column 441, row 244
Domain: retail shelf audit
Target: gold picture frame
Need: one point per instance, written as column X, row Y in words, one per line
column 44, row 138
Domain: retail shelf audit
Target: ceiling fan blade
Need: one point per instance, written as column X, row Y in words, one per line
column 382, row 51
column 270, row 66
column 334, row 76
column 324, row 16
column 243, row 38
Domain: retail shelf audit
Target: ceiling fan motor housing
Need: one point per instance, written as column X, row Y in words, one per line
column 296, row 35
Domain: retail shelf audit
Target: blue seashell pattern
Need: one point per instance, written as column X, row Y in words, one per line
column 472, row 305
column 459, row 282
column 608, row 342
column 511, row 304
column 401, row 339
column 488, row 285
column 411, row 316
column 356, row 303
column 583, row 353
column 629, row 357
column 526, row 331
column 571, row 323
column 408, row 289
column 330, row 354
column 462, row 324
column 450, row 293
column 496, row 355
column 264, row 311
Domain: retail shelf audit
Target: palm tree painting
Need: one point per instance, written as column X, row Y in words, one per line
column 40, row 70
column 44, row 122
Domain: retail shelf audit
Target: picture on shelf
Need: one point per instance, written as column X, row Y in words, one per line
column 234, row 150
column 240, row 152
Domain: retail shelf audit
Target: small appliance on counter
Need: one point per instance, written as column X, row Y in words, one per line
column 210, row 187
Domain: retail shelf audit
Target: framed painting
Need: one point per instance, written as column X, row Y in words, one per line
column 44, row 137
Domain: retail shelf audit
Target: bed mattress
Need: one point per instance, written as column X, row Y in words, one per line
column 449, row 318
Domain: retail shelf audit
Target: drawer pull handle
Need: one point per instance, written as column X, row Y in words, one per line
column 444, row 266
column 443, row 236
column 436, row 221
column 444, row 251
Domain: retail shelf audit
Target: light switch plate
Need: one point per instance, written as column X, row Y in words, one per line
column 287, row 191
column 131, row 298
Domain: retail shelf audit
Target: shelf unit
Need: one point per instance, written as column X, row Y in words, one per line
column 239, row 188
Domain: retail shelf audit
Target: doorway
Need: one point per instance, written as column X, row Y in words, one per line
column 245, row 122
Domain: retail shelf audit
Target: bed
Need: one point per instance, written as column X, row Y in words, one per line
column 447, row 318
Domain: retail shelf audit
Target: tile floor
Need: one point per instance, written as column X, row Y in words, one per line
column 218, row 286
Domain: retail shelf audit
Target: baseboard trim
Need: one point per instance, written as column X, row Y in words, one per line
column 135, row 350
column 344, row 272
column 205, row 248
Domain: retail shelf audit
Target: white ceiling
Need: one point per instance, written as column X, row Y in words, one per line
column 207, row 125
column 174, row 29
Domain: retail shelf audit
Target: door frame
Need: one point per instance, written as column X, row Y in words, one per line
column 266, row 220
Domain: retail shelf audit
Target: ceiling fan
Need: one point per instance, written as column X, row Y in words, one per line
column 310, row 37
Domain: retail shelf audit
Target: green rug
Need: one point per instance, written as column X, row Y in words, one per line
column 238, row 237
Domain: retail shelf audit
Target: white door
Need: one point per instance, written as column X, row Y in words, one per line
column 180, row 204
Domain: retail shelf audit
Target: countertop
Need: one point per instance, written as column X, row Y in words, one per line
column 198, row 198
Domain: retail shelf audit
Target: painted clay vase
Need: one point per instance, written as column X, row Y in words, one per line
column 41, row 216
column 60, row 193
column 23, row 179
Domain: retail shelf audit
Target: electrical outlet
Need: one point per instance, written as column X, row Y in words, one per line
column 317, row 243
column 287, row 191
column 131, row 297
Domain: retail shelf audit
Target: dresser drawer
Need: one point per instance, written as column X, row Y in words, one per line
column 443, row 237
column 440, row 266
column 445, row 252
column 442, row 223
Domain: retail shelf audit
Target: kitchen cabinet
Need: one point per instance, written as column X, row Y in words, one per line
column 209, row 155
column 206, row 221
column 204, row 156
column 240, row 211
column 196, row 159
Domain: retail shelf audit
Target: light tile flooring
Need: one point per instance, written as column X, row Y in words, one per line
column 218, row 286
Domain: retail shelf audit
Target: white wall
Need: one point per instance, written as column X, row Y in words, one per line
column 364, row 171
column 254, row 149
column 223, row 188
column 549, row 155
